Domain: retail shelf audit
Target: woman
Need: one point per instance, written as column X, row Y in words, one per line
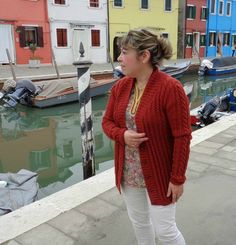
column 148, row 118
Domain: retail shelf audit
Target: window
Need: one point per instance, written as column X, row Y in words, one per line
column 213, row 7
column 61, row 37
column 191, row 12
column 228, row 8
column 233, row 39
column 165, row 35
column 118, row 3
column 62, row 2
column 168, row 5
column 221, row 7
column 30, row 35
column 203, row 13
column 95, row 38
column 226, row 39
column 40, row 160
column 94, row 3
column 189, row 40
column 203, row 40
column 212, row 39
column 144, row 4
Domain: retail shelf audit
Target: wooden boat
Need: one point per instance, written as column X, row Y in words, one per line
column 218, row 66
column 176, row 69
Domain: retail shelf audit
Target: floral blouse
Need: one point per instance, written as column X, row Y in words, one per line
column 132, row 171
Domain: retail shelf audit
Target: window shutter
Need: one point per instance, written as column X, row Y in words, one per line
column 22, row 36
column 194, row 12
column 191, row 40
column 187, row 12
column 40, row 36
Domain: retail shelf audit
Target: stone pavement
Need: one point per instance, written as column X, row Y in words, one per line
column 206, row 214
column 49, row 72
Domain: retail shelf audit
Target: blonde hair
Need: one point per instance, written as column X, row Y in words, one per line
column 144, row 39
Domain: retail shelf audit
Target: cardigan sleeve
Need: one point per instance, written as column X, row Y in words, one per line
column 108, row 123
column 178, row 114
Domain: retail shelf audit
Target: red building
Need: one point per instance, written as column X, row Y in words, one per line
column 24, row 23
column 195, row 28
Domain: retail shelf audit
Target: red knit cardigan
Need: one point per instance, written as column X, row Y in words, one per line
column 163, row 114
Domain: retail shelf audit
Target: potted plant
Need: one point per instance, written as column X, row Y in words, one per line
column 34, row 61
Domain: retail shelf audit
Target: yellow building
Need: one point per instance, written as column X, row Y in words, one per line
column 124, row 15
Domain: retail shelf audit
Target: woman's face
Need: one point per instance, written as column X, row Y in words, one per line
column 130, row 62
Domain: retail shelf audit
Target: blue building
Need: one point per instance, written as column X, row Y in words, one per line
column 221, row 27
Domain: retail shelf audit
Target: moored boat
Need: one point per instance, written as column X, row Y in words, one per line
column 218, row 66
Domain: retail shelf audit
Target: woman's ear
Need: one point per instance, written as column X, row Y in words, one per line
column 145, row 56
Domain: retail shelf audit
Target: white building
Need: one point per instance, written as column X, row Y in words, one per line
column 76, row 21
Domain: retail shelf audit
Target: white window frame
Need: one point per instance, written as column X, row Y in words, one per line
column 144, row 8
column 119, row 7
column 189, row 33
column 67, row 35
column 230, row 10
column 214, row 40
column 226, row 45
column 214, row 8
column 201, row 34
column 168, row 11
column 190, row 5
column 221, row 1
column 99, row 5
column 204, row 7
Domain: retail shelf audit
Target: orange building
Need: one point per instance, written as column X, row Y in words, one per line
column 23, row 23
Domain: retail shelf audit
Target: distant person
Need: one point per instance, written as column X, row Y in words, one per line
column 233, row 49
column 147, row 116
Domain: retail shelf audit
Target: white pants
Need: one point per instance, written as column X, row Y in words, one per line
column 149, row 219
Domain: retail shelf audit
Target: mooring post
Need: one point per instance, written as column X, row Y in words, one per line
column 83, row 70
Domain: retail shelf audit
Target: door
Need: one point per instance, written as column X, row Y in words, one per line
column 116, row 48
column 196, row 44
column 80, row 35
column 6, row 42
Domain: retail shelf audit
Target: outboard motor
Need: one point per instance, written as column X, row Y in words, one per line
column 117, row 73
column 8, row 87
column 24, row 88
column 209, row 108
column 205, row 65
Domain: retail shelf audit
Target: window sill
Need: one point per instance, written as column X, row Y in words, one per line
column 190, row 19
column 141, row 9
column 189, row 47
column 96, row 47
column 118, row 7
column 60, row 5
column 66, row 47
column 95, row 8
column 203, row 20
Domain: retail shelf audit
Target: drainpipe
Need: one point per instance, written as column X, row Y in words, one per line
column 108, row 31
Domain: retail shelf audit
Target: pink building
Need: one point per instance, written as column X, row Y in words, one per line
column 23, row 23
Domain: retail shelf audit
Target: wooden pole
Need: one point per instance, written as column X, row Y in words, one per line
column 83, row 70
column 11, row 65
column 55, row 65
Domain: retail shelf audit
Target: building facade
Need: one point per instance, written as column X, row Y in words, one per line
column 195, row 28
column 73, row 22
column 20, row 26
column 159, row 15
column 221, row 28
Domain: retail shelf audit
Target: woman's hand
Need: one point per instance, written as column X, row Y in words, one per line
column 133, row 138
column 176, row 191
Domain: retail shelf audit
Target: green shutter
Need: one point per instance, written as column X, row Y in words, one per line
column 194, row 12
column 191, row 40
column 187, row 12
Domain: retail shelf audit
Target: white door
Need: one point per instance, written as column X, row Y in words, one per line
column 6, row 42
column 80, row 35
column 196, row 44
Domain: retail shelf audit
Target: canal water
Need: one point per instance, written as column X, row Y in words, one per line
column 47, row 141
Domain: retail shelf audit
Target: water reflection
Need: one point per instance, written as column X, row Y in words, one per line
column 207, row 87
column 48, row 141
